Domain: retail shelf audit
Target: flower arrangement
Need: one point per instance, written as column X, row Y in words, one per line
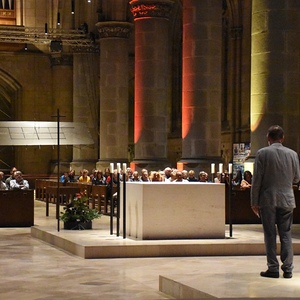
column 79, row 211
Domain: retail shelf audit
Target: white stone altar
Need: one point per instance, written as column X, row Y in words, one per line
column 160, row 210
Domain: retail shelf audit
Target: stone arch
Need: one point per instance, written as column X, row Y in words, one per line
column 9, row 96
column 10, row 93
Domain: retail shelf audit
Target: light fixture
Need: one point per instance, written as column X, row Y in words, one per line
column 46, row 28
column 89, row 1
column 58, row 18
column 25, row 47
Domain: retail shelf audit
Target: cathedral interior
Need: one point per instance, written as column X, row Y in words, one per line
column 157, row 82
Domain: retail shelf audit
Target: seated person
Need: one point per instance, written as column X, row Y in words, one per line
column 135, row 177
column 145, row 176
column 155, row 176
column 236, row 181
column 217, row 179
column 7, row 181
column 2, row 184
column 107, row 175
column 179, row 177
column 203, row 176
column 85, row 176
column 191, row 176
column 99, row 179
column 64, row 178
column 184, row 174
column 129, row 174
column 72, row 176
column 247, row 181
column 18, row 182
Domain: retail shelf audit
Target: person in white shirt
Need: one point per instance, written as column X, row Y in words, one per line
column 19, row 182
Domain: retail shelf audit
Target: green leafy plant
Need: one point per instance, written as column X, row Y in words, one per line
column 78, row 210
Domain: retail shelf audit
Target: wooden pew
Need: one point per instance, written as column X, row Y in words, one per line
column 99, row 195
column 66, row 193
column 17, row 208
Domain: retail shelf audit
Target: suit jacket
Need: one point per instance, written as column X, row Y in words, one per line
column 276, row 169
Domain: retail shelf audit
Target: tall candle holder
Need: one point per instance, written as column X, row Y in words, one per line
column 212, row 171
column 124, row 200
column 230, row 198
column 111, row 199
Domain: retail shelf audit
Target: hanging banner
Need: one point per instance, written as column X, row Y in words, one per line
column 241, row 153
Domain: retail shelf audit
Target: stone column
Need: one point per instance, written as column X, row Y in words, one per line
column 86, row 107
column 275, row 71
column 62, row 86
column 201, row 83
column 114, row 58
column 151, row 77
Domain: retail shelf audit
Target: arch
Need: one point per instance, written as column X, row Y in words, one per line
column 10, row 93
column 9, row 96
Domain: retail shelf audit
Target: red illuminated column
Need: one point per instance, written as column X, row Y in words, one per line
column 114, row 53
column 151, row 77
column 201, row 87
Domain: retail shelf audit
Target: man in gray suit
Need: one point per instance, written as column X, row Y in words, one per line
column 272, row 199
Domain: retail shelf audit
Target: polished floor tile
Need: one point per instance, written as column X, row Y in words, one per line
column 34, row 270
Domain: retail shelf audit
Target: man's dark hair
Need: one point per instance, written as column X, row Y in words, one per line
column 275, row 133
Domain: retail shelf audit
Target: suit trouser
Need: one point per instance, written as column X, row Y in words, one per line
column 283, row 218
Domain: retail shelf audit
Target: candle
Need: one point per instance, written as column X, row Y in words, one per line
column 212, row 167
column 111, row 168
column 230, row 168
column 220, row 168
column 118, row 168
column 124, row 168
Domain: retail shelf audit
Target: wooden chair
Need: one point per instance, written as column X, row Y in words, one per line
column 99, row 195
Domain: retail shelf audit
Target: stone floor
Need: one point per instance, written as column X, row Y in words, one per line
column 32, row 269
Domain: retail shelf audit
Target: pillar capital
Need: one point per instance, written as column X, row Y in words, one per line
column 114, row 29
column 151, row 8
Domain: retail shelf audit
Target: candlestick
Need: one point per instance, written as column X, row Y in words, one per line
column 212, row 167
column 221, row 168
column 118, row 168
column 111, row 168
column 230, row 168
column 124, row 168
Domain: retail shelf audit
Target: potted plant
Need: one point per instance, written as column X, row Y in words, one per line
column 77, row 214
